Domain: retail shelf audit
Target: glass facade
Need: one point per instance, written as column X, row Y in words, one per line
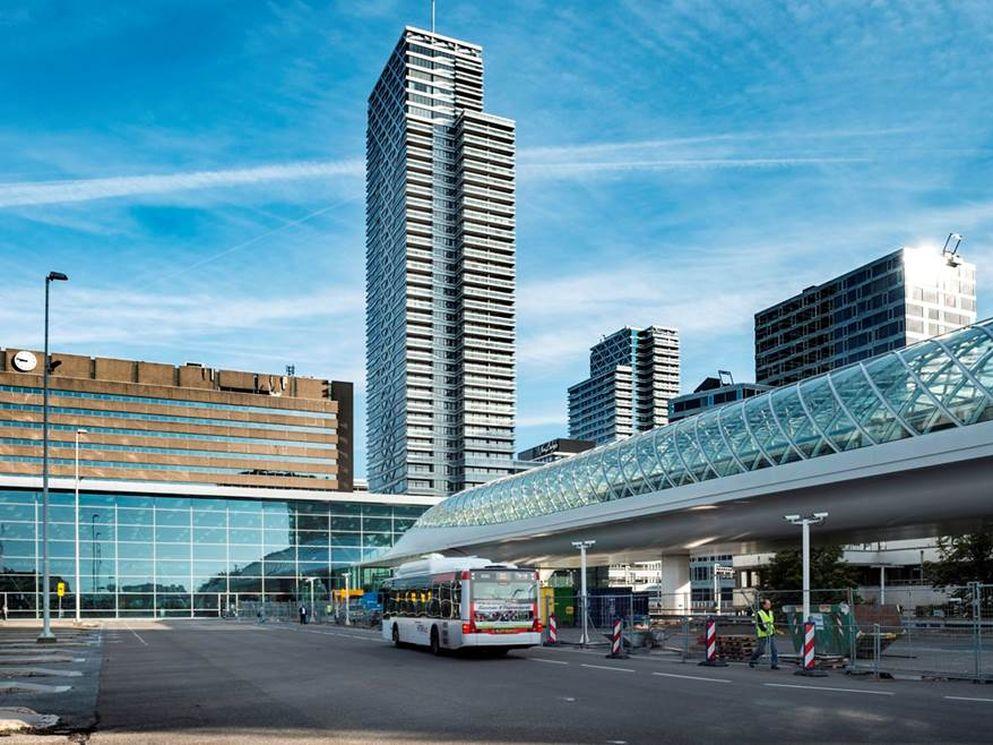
column 936, row 384
column 143, row 555
column 902, row 298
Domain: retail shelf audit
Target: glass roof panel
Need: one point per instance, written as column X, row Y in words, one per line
column 884, row 399
column 798, row 426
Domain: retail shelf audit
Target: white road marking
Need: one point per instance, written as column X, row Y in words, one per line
column 829, row 688
column 550, row 662
column 693, row 677
column 969, row 698
column 608, row 667
column 136, row 635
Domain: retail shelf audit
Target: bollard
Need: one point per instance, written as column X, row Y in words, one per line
column 807, row 663
column 710, row 646
column 553, row 631
column 617, row 642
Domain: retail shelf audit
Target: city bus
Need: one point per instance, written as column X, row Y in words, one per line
column 461, row 603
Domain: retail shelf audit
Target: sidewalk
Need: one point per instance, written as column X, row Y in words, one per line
column 57, row 681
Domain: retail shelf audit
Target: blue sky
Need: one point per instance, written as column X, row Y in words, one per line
column 196, row 168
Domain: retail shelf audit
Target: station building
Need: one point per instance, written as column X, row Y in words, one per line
column 198, row 488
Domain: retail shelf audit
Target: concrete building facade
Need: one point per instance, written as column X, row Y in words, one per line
column 440, row 273
column 901, row 298
column 554, row 450
column 633, row 374
column 146, row 421
column 710, row 393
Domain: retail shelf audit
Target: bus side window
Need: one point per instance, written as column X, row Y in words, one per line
column 434, row 601
column 456, row 599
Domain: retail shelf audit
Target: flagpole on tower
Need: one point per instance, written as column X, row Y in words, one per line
column 432, row 16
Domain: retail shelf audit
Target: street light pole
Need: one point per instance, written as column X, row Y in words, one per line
column 348, row 597
column 311, row 581
column 46, row 636
column 805, row 521
column 77, row 588
column 582, row 546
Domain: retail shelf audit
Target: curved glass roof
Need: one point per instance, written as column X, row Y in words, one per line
column 935, row 384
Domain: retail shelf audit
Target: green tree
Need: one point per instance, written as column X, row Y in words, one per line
column 962, row 559
column 782, row 577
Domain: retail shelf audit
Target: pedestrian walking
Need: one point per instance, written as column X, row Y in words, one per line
column 765, row 633
column 303, row 613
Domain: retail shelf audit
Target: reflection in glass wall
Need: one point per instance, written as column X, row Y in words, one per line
column 173, row 556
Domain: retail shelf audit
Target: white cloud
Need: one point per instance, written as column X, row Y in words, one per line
column 543, row 419
column 553, row 170
column 93, row 317
column 705, row 152
column 26, row 193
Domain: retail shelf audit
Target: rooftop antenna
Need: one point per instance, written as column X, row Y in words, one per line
column 432, row 16
column 951, row 252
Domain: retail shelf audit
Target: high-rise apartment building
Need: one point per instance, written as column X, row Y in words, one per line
column 440, row 257
column 903, row 297
column 633, row 374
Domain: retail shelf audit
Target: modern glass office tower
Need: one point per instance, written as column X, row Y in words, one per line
column 633, row 374
column 440, row 259
column 896, row 300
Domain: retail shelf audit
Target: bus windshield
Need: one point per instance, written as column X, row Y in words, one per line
column 503, row 599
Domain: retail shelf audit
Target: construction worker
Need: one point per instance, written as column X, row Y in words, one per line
column 765, row 632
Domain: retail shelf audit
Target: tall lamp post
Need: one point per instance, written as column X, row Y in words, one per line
column 77, row 589
column 582, row 546
column 348, row 598
column 93, row 551
column 311, row 581
column 46, row 636
column 805, row 521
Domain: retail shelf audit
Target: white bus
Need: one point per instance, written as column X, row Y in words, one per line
column 461, row 603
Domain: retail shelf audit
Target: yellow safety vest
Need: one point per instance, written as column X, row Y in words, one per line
column 764, row 625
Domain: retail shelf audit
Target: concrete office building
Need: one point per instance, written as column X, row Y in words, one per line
column 896, row 300
column 440, row 267
column 554, row 450
column 199, row 489
column 633, row 374
column 710, row 393
column 146, row 421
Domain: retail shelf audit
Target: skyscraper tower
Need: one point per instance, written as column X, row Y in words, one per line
column 440, row 193
column 633, row 374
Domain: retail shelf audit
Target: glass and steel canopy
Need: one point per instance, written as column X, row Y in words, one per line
column 936, row 384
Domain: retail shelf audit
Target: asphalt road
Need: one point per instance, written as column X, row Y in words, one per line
column 221, row 682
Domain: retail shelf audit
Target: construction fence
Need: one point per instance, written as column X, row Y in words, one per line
column 903, row 631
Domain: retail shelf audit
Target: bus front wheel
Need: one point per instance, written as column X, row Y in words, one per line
column 396, row 635
column 435, row 641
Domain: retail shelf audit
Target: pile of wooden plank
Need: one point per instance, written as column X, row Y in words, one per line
column 735, row 646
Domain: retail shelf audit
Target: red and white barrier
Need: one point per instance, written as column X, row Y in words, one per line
column 710, row 645
column 617, row 641
column 553, row 631
column 807, row 663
